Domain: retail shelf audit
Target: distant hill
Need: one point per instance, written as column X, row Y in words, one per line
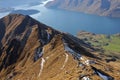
column 99, row 7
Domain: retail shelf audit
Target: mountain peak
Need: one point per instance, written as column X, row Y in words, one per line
column 32, row 50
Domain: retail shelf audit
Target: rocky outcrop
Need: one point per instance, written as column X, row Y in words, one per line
column 31, row 50
column 100, row 7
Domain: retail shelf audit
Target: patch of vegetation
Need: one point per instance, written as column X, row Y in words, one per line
column 109, row 43
column 114, row 44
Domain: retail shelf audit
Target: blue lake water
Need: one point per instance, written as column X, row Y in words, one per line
column 73, row 22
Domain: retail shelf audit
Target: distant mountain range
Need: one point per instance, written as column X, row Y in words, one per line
column 99, row 7
column 30, row 50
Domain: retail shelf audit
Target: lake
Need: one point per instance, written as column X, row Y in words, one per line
column 71, row 22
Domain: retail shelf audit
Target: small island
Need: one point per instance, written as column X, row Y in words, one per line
column 25, row 12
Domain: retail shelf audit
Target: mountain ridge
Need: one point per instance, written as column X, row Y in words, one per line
column 34, row 51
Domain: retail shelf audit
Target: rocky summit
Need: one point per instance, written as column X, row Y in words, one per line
column 30, row 50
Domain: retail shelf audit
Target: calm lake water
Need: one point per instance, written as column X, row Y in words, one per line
column 73, row 22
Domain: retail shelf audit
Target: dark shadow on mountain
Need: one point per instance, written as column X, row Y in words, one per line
column 2, row 31
column 12, row 53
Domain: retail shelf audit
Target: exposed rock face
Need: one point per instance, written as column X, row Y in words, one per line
column 99, row 7
column 30, row 50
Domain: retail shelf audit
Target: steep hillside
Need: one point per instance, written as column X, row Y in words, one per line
column 99, row 7
column 30, row 50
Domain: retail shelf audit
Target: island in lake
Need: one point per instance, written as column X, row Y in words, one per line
column 25, row 12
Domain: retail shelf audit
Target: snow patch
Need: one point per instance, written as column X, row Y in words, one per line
column 88, row 62
column 85, row 78
column 39, row 53
column 48, row 36
column 77, row 56
column 66, row 59
column 47, row 57
column 42, row 65
column 81, row 58
column 45, row 2
column 104, row 77
column 69, row 50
